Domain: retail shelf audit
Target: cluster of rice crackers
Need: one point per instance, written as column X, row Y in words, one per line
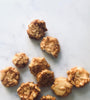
column 39, row 67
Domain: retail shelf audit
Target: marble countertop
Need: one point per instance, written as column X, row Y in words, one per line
column 67, row 20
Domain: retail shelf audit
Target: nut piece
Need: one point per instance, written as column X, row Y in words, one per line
column 20, row 60
column 36, row 29
column 9, row 76
column 28, row 91
column 61, row 86
column 45, row 78
column 38, row 64
column 78, row 76
column 50, row 45
column 48, row 97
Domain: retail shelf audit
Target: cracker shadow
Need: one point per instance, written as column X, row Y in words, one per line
column 82, row 90
column 76, row 91
column 24, row 69
column 51, row 58
column 71, row 96
column 13, row 90
column 47, row 91
column 35, row 42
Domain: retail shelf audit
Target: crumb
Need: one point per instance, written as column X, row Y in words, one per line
column 9, row 76
column 20, row 60
column 48, row 97
column 61, row 86
column 38, row 64
column 78, row 76
column 50, row 45
column 36, row 29
column 28, row 91
column 45, row 78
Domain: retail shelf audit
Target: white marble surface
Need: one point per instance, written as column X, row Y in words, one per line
column 67, row 20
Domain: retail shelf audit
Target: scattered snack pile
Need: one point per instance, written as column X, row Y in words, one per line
column 39, row 67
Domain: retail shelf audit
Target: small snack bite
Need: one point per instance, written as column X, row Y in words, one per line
column 45, row 78
column 50, row 45
column 28, row 91
column 48, row 97
column 78, row 76
column 20, row 60
column 9, row 77
column 36, row 29
column 38, row 64
column 61, row 87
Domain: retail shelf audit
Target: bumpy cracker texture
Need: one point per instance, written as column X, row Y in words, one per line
column 48, row 97
column 36, row 29
column 38, row 64
column 20, row 60
column 78, row 76
column 9, row 76
column 50, row 45
column 45, row 78
column 28, row 91
column 61, row 86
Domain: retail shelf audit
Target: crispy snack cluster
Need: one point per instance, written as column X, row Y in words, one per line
column 36, row 29
column 9, row 76
column 48, row 97
column 78, row 76
column 38, row 64
column 28, row 91
column 45, row 78
column 20, row 60
column 61, row 86
column 50, row 45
